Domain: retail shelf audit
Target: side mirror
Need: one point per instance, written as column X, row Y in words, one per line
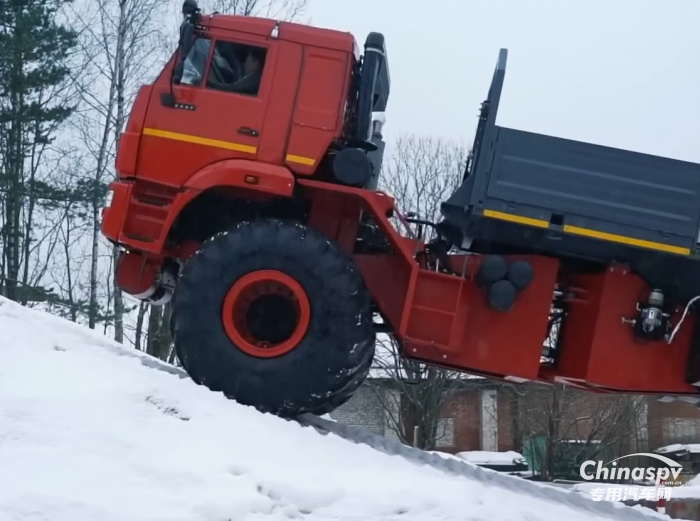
column 189, row 8
column 191, row 15
column 184, row 47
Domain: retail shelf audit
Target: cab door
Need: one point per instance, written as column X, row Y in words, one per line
column 210, row 120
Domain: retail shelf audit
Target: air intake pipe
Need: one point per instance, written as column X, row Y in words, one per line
column 376, row 156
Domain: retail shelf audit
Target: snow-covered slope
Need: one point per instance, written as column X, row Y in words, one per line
column 93, row 431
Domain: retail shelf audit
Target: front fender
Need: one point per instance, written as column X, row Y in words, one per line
column 251, row 175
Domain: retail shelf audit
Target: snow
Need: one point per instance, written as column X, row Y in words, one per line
column 480, row 457
column 695, row 482
column 489, row 458
column 447, row 455
column 587, row 488
column 93, row 431
column 693, row 448
column 690, row 490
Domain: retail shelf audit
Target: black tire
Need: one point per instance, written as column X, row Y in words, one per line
column 330, row 362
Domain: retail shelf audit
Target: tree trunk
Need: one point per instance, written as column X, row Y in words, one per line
column 159, row 341
column 118, row 126
column 139, row 325
column 15, row 169
column 96, row 207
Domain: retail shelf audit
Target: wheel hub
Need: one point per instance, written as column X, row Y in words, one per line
column 266, row 313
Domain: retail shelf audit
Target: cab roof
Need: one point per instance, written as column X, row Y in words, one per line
column 291, row 32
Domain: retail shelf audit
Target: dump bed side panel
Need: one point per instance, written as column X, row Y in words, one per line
column 595, row 187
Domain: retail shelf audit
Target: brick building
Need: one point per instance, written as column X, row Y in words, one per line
column 493, row 416
column 674, row 422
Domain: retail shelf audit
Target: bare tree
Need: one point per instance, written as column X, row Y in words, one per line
column 117, row 38
column 564, row 426
column 66, row 220
column 138, row 334
column 159, row 342
column 413, row 394
column 285, row 10
column 420, row 172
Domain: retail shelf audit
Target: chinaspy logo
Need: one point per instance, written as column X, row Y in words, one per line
column 599, row 471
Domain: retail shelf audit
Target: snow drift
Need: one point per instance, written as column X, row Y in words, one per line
column 90, row 431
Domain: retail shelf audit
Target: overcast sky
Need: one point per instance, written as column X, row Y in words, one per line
column 622, row 73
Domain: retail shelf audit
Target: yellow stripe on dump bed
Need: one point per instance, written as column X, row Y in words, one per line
column 626, row 240
column 585, row 232
column 516, row 219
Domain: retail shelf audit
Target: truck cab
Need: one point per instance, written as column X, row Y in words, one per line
column 243, row 108
column 305, row 80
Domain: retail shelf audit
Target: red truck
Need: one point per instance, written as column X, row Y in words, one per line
column 247, row 197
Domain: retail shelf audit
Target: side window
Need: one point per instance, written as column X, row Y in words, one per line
column 196, row 62
column 236, row 67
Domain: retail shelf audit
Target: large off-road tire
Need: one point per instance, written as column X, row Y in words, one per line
column 275, row 316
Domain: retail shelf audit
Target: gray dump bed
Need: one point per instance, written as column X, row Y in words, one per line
column 595, row 187
column 576, row 186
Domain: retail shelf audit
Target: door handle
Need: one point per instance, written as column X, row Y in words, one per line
column 248, row 131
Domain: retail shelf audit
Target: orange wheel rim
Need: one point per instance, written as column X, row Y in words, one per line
column 266, row 313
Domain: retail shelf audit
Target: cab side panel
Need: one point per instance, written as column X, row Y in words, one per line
column 319, row 109
column 280, row 103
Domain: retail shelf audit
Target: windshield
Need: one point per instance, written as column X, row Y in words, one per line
column 195, row 63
